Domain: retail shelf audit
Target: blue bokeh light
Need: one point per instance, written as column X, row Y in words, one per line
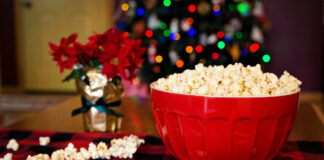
column 217, row 12
column 121, row 25
column 173, row 36
column 244, row 52
column 227, row 38
column 191, row 32
column 140, row 11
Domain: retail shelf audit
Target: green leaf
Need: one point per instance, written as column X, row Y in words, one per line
column 94, row 63
column 76, row 73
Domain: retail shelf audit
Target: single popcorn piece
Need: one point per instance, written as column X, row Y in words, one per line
column 233, row 80
column 7, row 156
column 39, row 157
column 44, row 141
column 12, row 144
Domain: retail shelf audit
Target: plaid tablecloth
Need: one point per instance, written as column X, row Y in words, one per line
column 153, row 149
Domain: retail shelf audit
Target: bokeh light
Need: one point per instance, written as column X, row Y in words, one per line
column 125, row 7
column 215, row 56
column 166, row 33
column 149, row 33
column 189, row 49
column 179, row 63
column 158, row 59
column 239, row 35
column 121, row 25
column 192, row 8
column 243, row 8
column 140, row 11
column 244, row 52
column 156, row 69
column 167, row 3
column 163, row 25
column 266, row 58
column 190, row 20
column 221, row 44
column 220, row 34
column 199, row 48
column 227, row 38
column 254, row 47
column 191, row 32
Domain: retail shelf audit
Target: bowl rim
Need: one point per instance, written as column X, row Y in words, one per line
column 210, row 96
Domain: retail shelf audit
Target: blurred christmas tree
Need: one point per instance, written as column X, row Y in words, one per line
column 182, row 33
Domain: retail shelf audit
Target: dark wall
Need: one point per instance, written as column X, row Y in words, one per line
column 7, row 44
column 296, row 40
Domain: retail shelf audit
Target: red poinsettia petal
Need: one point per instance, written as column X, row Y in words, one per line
column 53, row 46
column 71, row 38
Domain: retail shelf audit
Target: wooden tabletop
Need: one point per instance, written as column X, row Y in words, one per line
column 139, row 119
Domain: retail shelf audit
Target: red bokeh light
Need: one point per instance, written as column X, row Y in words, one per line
column 254, row 47
column 215, row 56
column 148, row 33
column 220, row 34
column 199, row 48
column 192, row 8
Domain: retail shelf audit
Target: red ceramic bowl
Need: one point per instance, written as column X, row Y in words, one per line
column 226, row 128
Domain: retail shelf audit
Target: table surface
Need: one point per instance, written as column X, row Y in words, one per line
column 139, row 119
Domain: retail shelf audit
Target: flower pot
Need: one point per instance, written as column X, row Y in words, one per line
column 110, row 93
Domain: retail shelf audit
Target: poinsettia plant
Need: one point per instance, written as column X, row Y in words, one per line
column 112, row 52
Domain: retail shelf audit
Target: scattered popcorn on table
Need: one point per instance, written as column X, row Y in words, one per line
column 7, row 156
column 58, row 155
column 125, row 147
column 70, row 152
column 92, row 149
column 44, row 141
column 103, row 151
column 234, row 80
column 12, row 144
column 121, row 148
column 39, row 157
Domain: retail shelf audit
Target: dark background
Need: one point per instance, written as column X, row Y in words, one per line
column 295, row 41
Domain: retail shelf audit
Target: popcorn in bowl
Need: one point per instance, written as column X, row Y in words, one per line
column 233, row 80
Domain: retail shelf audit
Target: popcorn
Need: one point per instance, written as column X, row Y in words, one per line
column 122, row 148
column 7, row 156
column 125, row 147
column 103, row 151
column 39, row 157
column 234, row 80
column 12, row 144
column 44, row 141
column 58, row 155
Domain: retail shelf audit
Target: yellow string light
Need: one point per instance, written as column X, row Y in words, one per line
column 158, row 59
column 125, row 7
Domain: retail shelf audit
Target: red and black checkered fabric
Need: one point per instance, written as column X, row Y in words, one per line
column 153, row 149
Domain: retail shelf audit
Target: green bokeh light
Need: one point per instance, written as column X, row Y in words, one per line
column 166, row 33
column 243, row 8
column 163, row 25
column 266, row 58
column 221, row 45
column 239, row 35
column 231, row 7
column 167, row 3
